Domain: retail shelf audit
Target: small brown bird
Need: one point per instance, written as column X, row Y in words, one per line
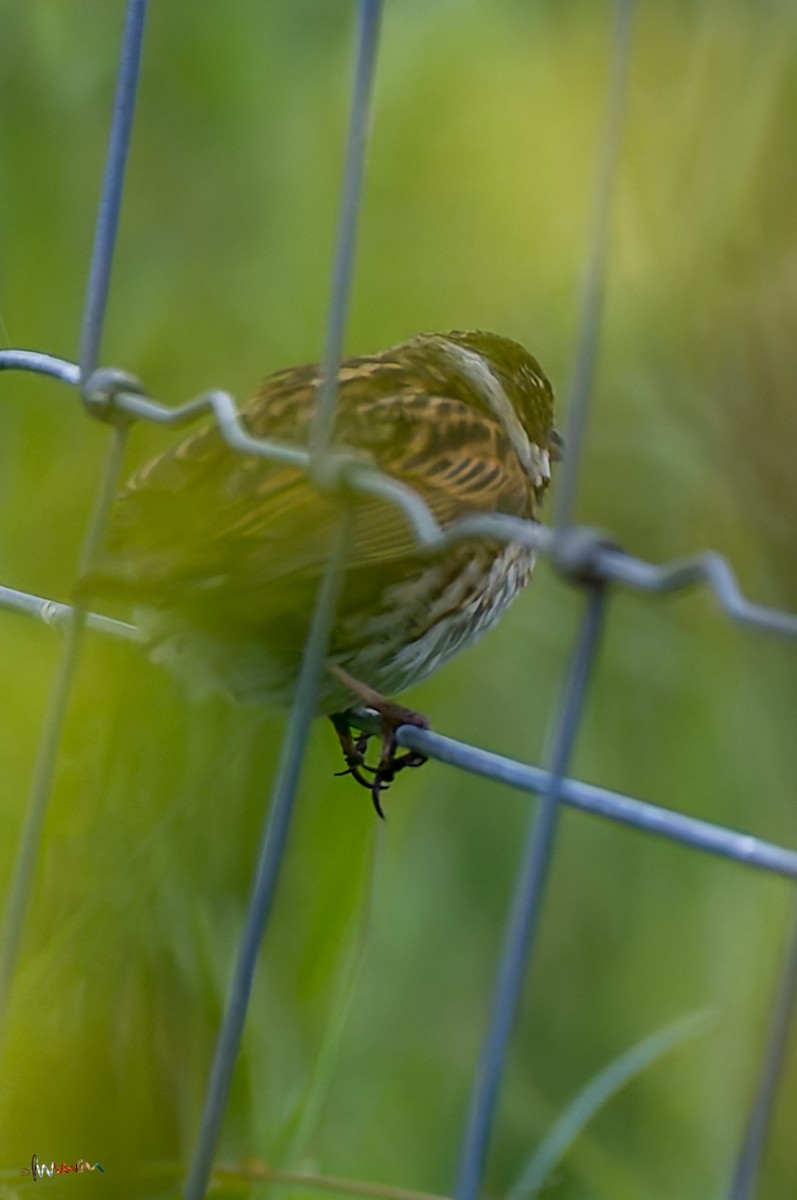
column 222, row 553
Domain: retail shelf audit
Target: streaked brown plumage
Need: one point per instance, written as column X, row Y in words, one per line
column 222, row 553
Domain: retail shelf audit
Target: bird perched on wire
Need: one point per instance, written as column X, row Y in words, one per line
column 221, row 553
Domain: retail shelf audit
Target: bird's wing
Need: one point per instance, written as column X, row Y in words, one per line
column 204, row 519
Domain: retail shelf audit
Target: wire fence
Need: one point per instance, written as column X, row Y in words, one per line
column 585, row 557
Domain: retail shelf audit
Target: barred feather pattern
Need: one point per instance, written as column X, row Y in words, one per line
column 221, row 554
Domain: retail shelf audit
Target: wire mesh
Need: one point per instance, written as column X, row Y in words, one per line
column 585, row 557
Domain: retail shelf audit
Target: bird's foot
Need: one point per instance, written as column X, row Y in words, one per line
column 376, row 779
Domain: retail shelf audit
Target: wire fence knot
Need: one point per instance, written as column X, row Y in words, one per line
column 329, row 470
column 577, row 553
column 101, row 390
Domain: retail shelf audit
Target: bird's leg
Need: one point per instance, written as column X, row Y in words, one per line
column 392, row 715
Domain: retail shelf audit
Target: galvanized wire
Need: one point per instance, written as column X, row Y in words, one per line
column 524, row 917
column 579, row 552
column 18, row 898
column 647, row 818
column 652, row 819
column 60, row 616
column 594, row 285
column 743, row 1184
column 95, row 304
column 272, row 851
column 369, row 20
column 585, row 556
column 272, row 845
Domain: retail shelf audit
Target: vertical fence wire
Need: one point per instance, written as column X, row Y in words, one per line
column 526, row 911
column 92, row 326
column 369, row 20
column 525, row 914
column 272, row 852
column 99, row 282
column 743, row 1183
column 594, row 285
column 276, row 830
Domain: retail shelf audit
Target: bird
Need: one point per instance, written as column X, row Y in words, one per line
column 220, row 553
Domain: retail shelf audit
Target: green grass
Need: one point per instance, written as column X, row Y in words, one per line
column 377, row 970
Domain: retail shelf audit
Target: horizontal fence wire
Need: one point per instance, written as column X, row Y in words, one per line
column 743, row 848
column 584, row 556
column 579, row 552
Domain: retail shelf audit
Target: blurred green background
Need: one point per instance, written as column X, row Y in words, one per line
column 375, row 977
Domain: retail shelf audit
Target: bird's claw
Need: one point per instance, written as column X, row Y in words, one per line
column 389, row 766
column 390, row 763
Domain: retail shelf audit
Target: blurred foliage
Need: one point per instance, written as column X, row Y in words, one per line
column 377, row 969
